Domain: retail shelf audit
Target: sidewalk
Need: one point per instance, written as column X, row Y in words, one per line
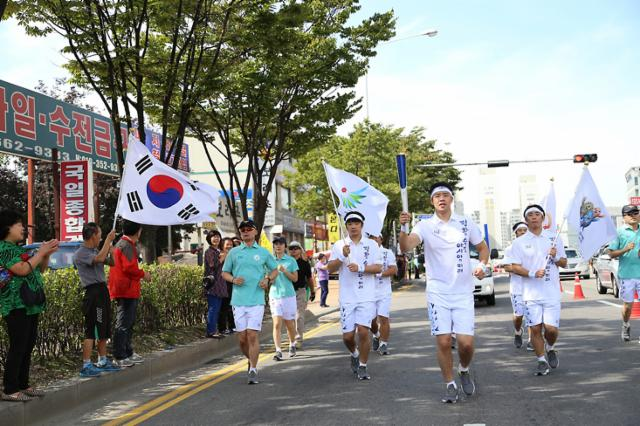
column 70, row 393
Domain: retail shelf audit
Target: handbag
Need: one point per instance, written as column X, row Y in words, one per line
column 208, row 282
column 30, row 297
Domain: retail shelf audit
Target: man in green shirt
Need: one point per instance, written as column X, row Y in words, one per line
column 625, row 246
column 250, row 268
column 282, row 298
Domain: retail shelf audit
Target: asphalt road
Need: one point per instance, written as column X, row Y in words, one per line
column 595, row 384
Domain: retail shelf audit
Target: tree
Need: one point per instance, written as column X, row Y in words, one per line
column 288, row 82
column 369, row 151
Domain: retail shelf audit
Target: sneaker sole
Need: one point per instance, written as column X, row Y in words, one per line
column 538, row 373
column 449, row 401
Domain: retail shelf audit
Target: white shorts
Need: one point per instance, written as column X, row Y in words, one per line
column 628, row 289
column 517, row 304
column 248, row 317
column 451, row 320
column 383, row 306
column 541, row 312
column 285, row 307
column 352, row 314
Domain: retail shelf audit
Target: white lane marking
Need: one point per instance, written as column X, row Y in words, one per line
column 615, row 305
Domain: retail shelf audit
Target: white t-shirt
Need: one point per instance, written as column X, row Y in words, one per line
column 446, row 253
column 356, row 287
column 515, row 280
column 383, row 284
column 530, row 251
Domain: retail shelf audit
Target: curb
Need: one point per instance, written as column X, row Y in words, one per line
column 70, row 393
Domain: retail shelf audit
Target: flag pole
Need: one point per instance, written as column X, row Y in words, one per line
column 343, row 227
column 124, row 170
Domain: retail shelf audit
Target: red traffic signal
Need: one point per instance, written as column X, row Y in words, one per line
column 585, row 158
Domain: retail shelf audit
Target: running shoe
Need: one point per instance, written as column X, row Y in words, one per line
column 292, row 351
column 107, row 365
column 376, row 343
column 552, row 356
column 277, row 356
column 355, row 363
column 517, row 340
column 122, row 363
column 383, row 349
column 468, row 386
column 362, row 373
column 450, row 395
column 90, row 371
column 626, row 332
column 252, row 377
column 136, row 359
column 542, row 369
column 530, row 347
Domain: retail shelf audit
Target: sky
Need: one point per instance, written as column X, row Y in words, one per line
column 517, row 80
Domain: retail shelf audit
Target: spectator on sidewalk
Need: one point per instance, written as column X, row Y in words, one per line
column 322, row 274
column 226, row 325
column 21, row 302
column 96, row 305
column 124, row 288
column 215, row 285
column 303, row 283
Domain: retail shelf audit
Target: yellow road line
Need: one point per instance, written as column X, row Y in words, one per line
column 162, row 403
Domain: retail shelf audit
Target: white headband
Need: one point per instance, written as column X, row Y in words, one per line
column 522, row 225
column 533, row 209
column 441, row 189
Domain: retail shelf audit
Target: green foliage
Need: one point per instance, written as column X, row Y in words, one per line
column 369, row 151
column 172, row 298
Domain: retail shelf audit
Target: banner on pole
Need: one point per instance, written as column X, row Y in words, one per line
column 334, row 228
column 76, row 198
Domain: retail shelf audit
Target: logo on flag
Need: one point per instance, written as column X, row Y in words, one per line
column 589, row 213
column 153, row 193
column 352, row 199
column 549, row 205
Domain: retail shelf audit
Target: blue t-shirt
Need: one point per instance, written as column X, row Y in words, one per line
column 629, row 263
column 283, row 287
column 253, row 264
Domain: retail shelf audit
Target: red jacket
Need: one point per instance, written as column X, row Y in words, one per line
column 125, row 275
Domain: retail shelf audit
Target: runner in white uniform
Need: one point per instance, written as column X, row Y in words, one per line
column 380, row 326
column 358, row 261
column 536, row 256
column 515, row 287
column 446, row 238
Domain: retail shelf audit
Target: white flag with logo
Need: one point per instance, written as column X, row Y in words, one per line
column 355, row 194
column 152, row 193
column 549, row 205
column 588, row 216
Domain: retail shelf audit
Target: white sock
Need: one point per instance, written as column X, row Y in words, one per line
column 463, row 369
column 519, row 332
column 253, row 369
column 382, row 342
column 453, row 382
column 550, row 348
column 377, row 334
column 542, row 358
column 278, row 349
column 363, row 364
column 355, row 354
column 626, row 323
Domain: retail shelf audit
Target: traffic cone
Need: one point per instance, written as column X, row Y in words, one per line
column 577, row 289
column 635, row 310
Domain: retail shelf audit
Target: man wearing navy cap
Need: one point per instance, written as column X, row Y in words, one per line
column 245, row 268
column 625, row 247
column 446, row 237
column 536, row 257
column 358, row 261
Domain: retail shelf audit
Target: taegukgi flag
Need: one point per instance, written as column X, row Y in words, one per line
column 152, row 193
column 589, row 217
column 549, row 205
column 355, row 194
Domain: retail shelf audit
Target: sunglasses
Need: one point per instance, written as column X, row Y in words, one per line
column 633, row 213
column 246, row 229
column 294, row 248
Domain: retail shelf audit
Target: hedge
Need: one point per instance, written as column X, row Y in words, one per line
column 172, row 298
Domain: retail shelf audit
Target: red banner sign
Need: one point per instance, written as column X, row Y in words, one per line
column 76, row 198
column 635, row 201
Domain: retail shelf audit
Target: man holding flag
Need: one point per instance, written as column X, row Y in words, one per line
column 625, row 247
column 536, row 256
column 446, row 238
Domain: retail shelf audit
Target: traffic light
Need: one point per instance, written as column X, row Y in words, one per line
column 585, row 158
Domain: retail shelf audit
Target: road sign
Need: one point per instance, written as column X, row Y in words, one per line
column 32, row 125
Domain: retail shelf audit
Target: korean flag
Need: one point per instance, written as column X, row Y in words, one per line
column 153, row 193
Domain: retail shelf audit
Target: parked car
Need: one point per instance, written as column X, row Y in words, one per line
column 63, row 257
column 484, row 288
column 575, row 264
column 605, row 270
